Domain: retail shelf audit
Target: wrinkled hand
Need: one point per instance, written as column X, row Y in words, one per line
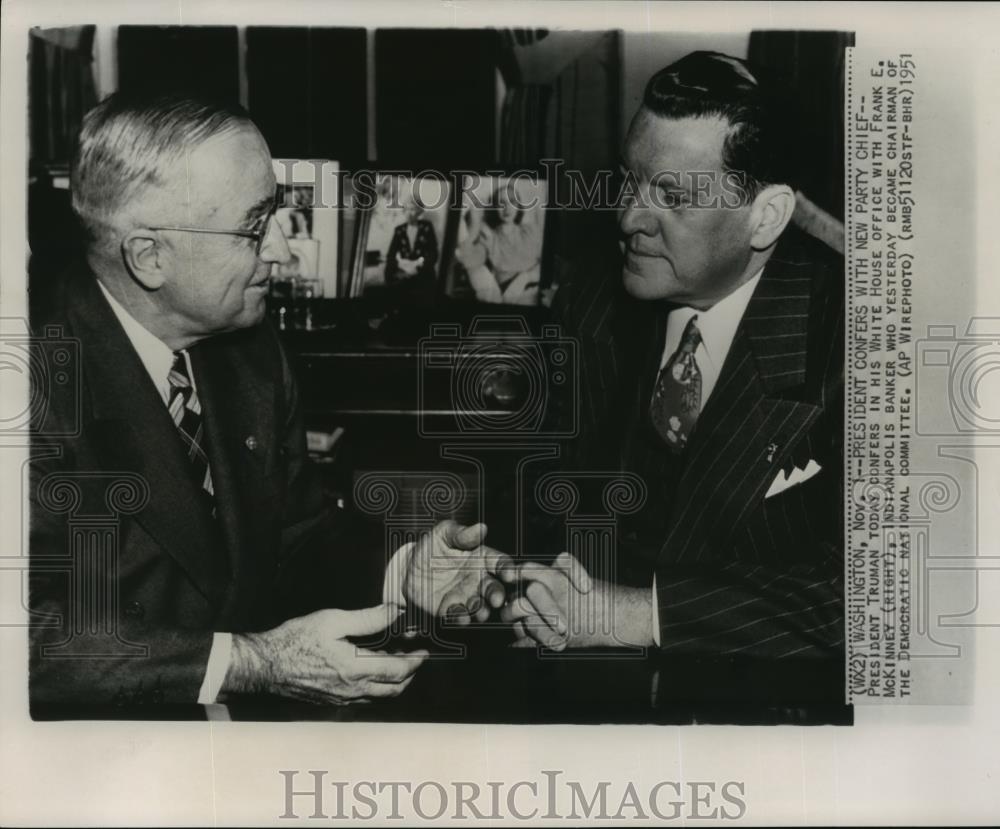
column 451, row 572
column 308, row 658
column 553, row 607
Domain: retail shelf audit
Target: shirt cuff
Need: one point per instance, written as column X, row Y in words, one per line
column 215, row 670
column 656, row 614
column 392, row 587
column 222, row 643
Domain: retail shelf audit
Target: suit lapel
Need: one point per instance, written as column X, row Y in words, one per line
column 752, row 421
column 133, row 431
column 237, row 400
column 621, row 341
column 238, row 405
column 647, row 350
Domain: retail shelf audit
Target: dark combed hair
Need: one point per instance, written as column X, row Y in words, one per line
column 761, row 147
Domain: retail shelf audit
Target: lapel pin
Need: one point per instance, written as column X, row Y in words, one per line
column 771, row 449
column 251, row 443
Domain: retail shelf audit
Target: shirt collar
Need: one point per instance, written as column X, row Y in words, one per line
column 718, row 324
column 156, row 356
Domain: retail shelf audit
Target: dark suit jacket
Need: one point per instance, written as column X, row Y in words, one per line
column 736, row 573
column 130, row 572
column 425, row 245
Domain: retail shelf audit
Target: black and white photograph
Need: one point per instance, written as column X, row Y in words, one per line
column 470, row 382
column 295, row 220
column 498, row 246
column 684, row 393
column 402, row 235
column 307, row 213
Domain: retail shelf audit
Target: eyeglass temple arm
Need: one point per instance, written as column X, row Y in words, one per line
column 249, row 234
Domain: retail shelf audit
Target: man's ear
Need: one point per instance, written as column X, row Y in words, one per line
column 144, row 257
column 772, row 211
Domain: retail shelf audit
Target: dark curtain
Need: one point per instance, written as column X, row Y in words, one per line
column 563, row 101
column 562, row 98
column 196, row 59
column 60, row 89
column 435, row 93
column 306, row 91
column 813, row 65
column 522, row 124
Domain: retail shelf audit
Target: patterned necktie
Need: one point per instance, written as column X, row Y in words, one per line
column 185, row 409
column 677, row 397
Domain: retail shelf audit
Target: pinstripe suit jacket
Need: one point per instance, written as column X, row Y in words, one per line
column 736, row 572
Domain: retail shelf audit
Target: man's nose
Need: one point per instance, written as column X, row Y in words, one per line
column 275, row 247
column 634, row 218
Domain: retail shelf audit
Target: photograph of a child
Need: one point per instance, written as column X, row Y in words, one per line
column 404, row 233
column 413, row 250
column 498, row 248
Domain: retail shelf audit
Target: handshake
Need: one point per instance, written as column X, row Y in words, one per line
column 452, row 574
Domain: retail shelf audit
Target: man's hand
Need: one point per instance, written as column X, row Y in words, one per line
column 309, row 658
column 452, row 573
column 549, row 608
column 560, row 606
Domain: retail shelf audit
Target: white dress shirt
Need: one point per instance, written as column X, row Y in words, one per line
column 718, row 327
column 158, row 359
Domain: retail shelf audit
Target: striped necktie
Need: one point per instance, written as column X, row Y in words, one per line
column 677, row 398
column 185, row 409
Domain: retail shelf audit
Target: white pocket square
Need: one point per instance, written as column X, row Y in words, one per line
column 796, row 476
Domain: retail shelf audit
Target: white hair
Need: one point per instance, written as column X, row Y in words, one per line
column 127, row 144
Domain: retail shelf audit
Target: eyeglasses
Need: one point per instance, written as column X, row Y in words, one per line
column 258, row 233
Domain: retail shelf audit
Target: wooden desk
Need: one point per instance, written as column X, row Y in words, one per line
column 496, row 684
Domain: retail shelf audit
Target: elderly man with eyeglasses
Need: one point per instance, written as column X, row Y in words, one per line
column 186, row 401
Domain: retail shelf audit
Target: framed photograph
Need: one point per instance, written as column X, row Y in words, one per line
column 717, row 542
column 308, row 216
column 498, row 245
column 400, row 238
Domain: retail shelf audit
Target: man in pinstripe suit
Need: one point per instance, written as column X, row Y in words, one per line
column 714, row 370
